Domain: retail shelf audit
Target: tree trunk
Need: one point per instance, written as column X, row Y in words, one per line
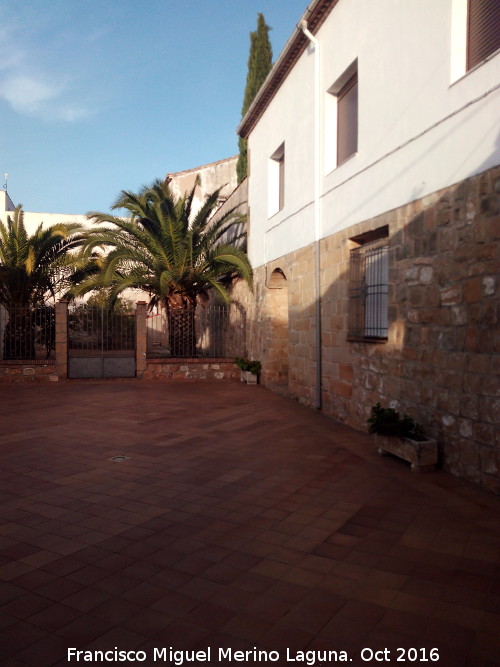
column 181, row 330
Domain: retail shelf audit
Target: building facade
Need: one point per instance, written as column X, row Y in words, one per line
column 373, row 196
column 212, row 176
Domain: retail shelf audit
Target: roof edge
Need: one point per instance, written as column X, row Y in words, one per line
column 201, row 166
column 315, row 14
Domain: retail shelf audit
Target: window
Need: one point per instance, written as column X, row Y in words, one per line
column 347, row 120
column 341, row 119
column 475, row 34
column 483, row 30
column 369, row 286
column 277, row 180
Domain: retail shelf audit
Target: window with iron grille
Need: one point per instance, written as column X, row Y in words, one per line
column 483, row 30
column 368, row 290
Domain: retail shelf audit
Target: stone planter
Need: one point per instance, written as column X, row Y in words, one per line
column 248, row 377
column 422, row 454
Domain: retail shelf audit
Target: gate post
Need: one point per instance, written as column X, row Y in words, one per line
column 62, row 339
column 141, row 338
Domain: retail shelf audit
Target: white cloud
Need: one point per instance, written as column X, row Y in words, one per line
column 73, row 112
column 26, row 94
column 32, row 92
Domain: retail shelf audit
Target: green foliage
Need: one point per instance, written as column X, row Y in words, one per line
column 32, row 268
column 260, row 61
column 163, row 250
column 242, row 164
column 248, row 365
column 121, row 306
column 387, row 421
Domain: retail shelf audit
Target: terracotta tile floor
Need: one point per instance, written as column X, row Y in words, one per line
column 239, row 519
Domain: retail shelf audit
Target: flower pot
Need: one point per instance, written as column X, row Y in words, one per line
column 248, row 377
column 421, row 454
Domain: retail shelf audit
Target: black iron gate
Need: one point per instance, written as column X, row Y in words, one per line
column 101, row 343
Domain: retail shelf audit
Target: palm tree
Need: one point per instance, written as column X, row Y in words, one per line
column 32, row 268
column 165, row 251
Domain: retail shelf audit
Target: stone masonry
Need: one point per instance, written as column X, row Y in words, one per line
column 441, row 361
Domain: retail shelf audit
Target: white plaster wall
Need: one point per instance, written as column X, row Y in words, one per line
column 289, row 120
column 32, row 220
column 420, row 128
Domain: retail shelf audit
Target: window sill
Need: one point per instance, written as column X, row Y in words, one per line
column 341, row 164
column 273, row 215
column 474, row 69
column 366, row 339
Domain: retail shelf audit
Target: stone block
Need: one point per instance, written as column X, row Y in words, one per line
column 341, row 388
column 489, row 205
column 489, row 285
column 346, row 372
column 489, row 409
column 469, row 453
column 488, row 229
column 450, row 296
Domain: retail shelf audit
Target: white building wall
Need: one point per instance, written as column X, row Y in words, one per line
column 420, row 128
column 32, row 220
column 289, row 120
column 221, row 174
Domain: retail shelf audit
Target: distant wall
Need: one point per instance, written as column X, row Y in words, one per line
column 212, row 176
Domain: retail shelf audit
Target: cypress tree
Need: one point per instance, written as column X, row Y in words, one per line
column 260, row 62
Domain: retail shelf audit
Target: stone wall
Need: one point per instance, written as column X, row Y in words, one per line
column 440, row 363
column 191, row 369
column 12, row 372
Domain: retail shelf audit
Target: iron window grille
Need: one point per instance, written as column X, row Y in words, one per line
column 369, row 291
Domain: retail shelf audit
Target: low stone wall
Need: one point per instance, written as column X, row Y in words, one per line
column 191, row 369
column 17, row 372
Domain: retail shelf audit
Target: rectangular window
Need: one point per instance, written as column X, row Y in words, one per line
column 483, row 30
column 347, row 120
column 277, row 181
column 369, row 287
column 341, row 119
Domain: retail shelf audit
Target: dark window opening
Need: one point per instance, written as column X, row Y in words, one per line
column 369, row 290
column 483, row 30
column 347, row 120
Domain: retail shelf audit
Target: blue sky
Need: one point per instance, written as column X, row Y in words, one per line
column 97, row 96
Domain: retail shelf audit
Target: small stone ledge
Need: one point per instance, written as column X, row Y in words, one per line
column 210, row 368
column 37, row 371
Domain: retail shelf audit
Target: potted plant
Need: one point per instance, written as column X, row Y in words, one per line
column 249, row 370
column 403, row 437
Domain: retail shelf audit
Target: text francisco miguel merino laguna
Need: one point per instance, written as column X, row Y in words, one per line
column 178, row 657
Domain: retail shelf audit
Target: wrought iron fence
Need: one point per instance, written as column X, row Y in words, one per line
column 204, row 331
column 27, row 334
column 92, row 328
